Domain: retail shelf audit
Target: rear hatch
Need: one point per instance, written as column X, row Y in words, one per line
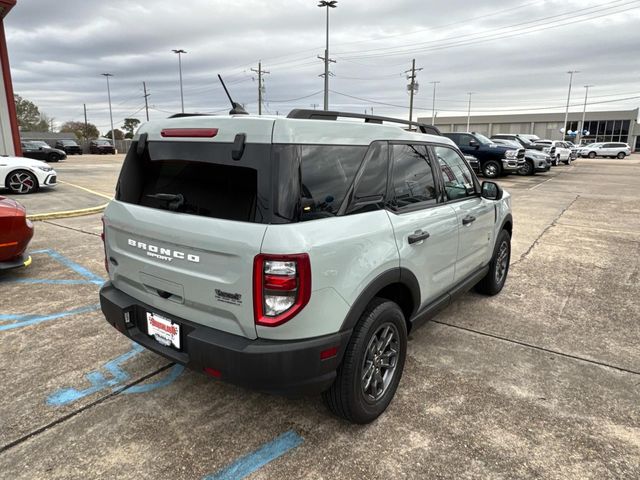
column 188, row 220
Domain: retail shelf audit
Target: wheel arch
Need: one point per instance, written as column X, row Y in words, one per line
column 21, row 169
column 507, row 224
column 398, row 285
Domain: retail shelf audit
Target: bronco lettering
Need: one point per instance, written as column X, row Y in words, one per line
column 165, row 254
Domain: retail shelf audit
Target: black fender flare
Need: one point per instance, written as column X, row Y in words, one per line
column 390, row 277
column 507, row 219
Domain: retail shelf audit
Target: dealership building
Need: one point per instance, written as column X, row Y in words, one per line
column 9, row 132
column 606, row 126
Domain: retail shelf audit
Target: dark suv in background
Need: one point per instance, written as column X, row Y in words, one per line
column 495, row 160
column 101, row 147
column 70, row 147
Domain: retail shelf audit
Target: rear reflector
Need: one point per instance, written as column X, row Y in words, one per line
column 189, row 132
column 213, row 372
column 328, row 353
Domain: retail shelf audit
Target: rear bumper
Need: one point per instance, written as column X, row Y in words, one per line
column 284, row 367
column 21, row 261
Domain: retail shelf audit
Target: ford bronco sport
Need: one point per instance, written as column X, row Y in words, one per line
column 293, row 255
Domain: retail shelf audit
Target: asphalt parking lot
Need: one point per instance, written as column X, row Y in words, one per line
column 541, row 381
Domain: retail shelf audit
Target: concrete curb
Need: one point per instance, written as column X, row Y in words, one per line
column 67, row 213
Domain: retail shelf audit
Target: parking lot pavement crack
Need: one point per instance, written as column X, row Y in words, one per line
column 72, row 414
column 79, row 230
column 539, row 348
column 549, row 227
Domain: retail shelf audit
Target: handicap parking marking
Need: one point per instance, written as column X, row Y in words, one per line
column 248, row 464
column 11, row 321
column 118, row 377
column 88, row 277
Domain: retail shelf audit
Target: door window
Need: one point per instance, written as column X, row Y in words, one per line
column 413, row 181
column 465, row 140
column 457, row 177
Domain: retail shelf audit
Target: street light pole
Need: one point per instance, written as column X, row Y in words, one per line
column 584, row 111
column 433, row 107
column 469, row 110
column 566, row 112
column 113, row 135
column 180, row 52
column 328, row 4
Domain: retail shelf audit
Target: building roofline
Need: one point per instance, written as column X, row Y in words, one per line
column 631, row 114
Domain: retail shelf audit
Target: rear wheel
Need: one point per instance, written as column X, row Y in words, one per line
column 491, row 169
column 495, row 278
column 368, row 377
column 22, row 182
column 620, row 155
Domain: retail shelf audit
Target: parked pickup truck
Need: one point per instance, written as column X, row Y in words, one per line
column 495, row 160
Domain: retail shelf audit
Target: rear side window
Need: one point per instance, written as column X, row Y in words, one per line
column 413, row 181
column 198, row 179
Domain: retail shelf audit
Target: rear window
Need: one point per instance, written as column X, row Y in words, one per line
column 198, row 179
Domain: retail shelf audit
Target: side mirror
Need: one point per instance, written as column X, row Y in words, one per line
column 473, row 143
column 491, row 191
column 41, row 148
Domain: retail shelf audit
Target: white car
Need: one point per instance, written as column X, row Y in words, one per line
column 612, row 150
column 558, row 151
column 25, row 175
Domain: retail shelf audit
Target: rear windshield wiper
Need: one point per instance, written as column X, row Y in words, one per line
column 174, row 200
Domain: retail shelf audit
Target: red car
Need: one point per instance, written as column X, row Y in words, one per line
column 15, row 234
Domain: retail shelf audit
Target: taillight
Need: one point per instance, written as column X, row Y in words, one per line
column 104, row 245
column 281, row 287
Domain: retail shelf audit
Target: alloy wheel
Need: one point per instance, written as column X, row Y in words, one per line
column 380, row 361
column 21, row 182
column 502, row 262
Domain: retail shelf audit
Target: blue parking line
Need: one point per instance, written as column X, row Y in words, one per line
column 36, row 281
column 254, row 461
column 118, row 377
column 25, row 320
column 67, row 262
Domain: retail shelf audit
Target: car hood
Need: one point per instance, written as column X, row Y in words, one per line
column 22, row 162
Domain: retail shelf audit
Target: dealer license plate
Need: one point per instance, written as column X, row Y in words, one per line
column 163, row 330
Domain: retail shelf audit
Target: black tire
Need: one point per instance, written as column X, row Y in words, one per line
column 491, row 169
column 53, row 157
column 528, row 168
column 592, row 154
column 347, row 397
column 620, row 155
column 22, row 182
column 495, row 278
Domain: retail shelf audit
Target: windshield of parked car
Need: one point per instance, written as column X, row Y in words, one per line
column 40, row 144
column 103, row 142
column 70, row 143
column 482, row 139
column 507, row 143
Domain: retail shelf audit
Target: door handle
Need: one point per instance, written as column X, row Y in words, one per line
column 468, row 220
column 418, row 236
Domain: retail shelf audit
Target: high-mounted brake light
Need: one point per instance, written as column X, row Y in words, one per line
column 281, row 287
column 189, row 132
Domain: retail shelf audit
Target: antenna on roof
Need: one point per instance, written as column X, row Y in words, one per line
column 236, row 108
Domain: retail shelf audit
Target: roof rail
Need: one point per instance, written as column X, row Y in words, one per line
column 182, row 115
column 330, row 115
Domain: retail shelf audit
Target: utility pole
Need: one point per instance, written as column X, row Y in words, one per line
column 113, row 135
column 566, row 112
column 146, row 102
column 180, row 52
column 584, row 112
column 412, row 87
column 86, row 124
column 328, row 4
column 469, row 110
column 260, row 72
column 433, row 107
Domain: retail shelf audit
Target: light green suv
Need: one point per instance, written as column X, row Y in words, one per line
column 293, row 255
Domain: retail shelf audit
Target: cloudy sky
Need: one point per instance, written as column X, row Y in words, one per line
column 514, row 57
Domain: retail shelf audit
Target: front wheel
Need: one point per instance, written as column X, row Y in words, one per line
column 370, row 372
column 22, row 182
column 495, row 278
column 592, row 154
column 491, row 169
column 53, row 157
column 528, row 168
column 620, row 155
